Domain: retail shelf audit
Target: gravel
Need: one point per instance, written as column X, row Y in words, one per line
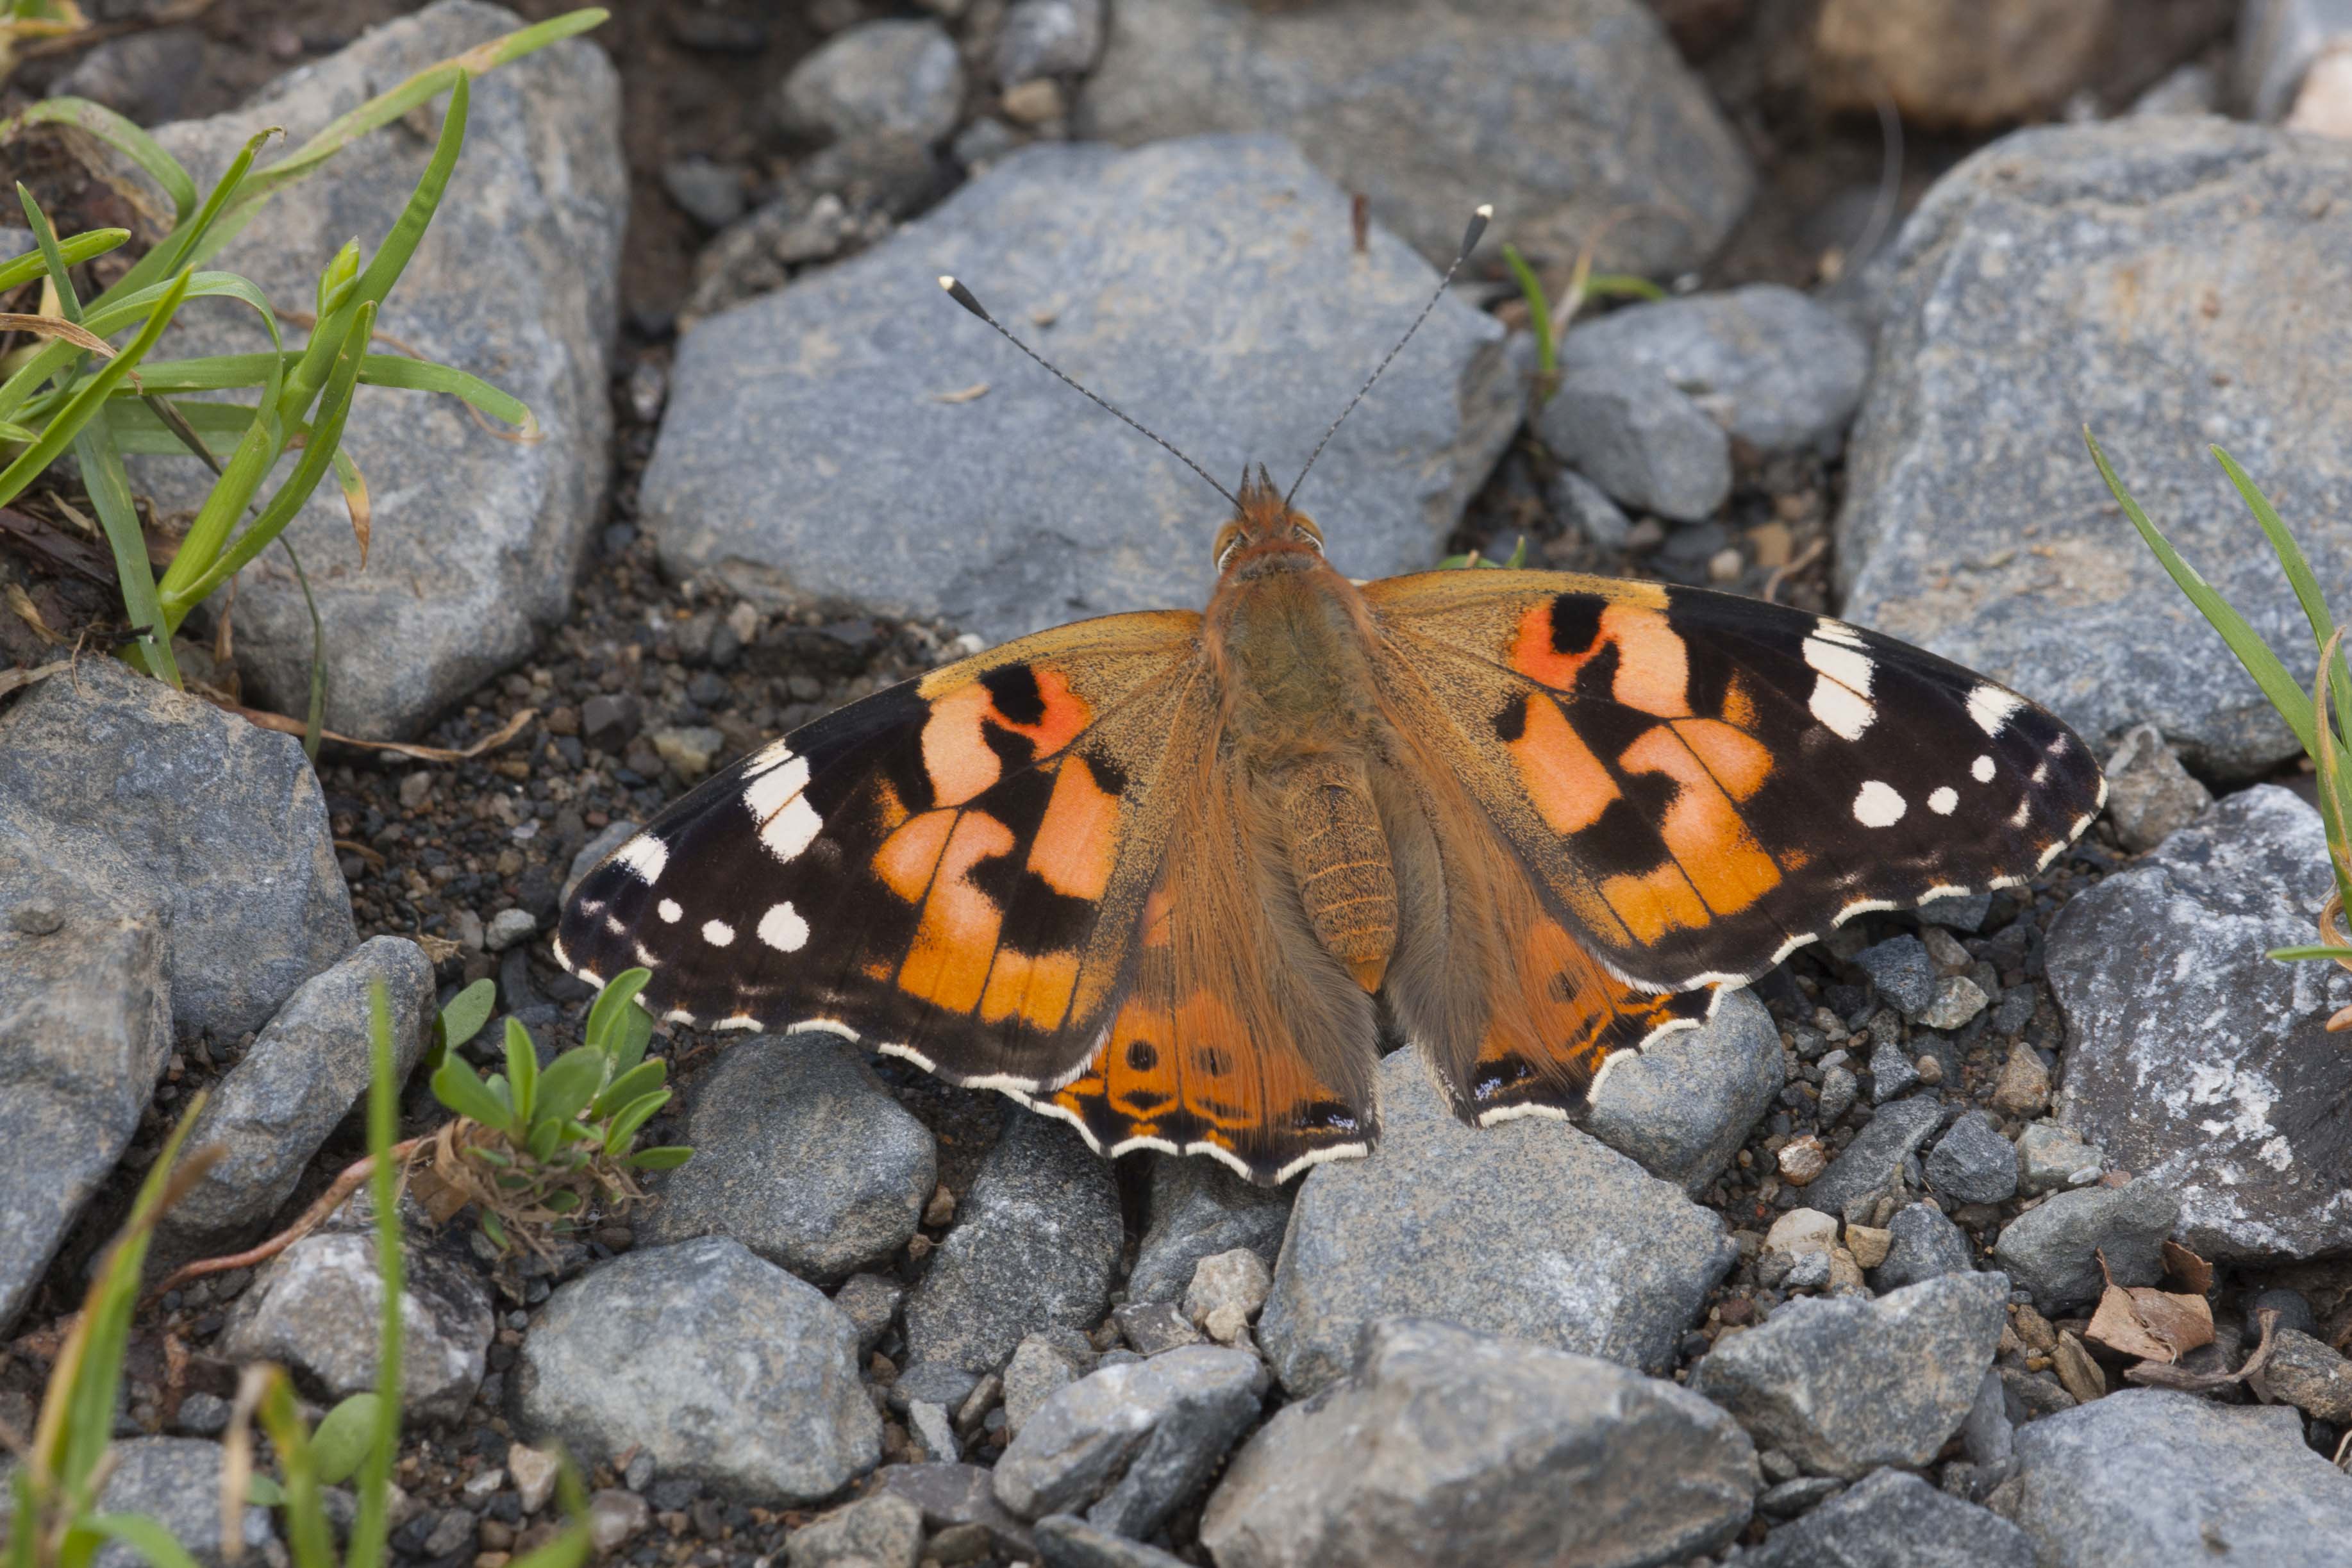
column 2149, row 794
column 878, row 79
column 1469, row 1224
column 1923, row 1244
column 2049, row 1157
column 1876, row 1158
column 1973, row 1163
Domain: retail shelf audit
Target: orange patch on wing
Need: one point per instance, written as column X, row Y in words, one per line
column 1562, row 1016
column 1739, row 763
column 1035, row 989
column 955, row 941
column 1719, row 860
column 955, row 755
column 1656, row 901
column 1567, row 786
column 909, row 856
column 1533, row 655
column 1076, row 840
column 1739, row 703
column 1653, row 664
column 1066, row 713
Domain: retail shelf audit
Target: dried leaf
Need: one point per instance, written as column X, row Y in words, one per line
column 2150, row 1324
column 10, row 679
column 2193, row 1271
column 57, row 327
column 2081, row 1377
column 977, row 389
column 27, row 611
column 2157, row 1374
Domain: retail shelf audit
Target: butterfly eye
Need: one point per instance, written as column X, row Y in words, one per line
column 1229, row 539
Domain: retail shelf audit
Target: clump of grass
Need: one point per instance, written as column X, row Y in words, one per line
column 72, row 392
column 1584, row 286
column 2315, row 716
column 55, row 1520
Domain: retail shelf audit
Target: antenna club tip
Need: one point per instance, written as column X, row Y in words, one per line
column 947, row 282
column 1485, row 210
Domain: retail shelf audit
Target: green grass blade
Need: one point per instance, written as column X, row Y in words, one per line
column 306, row 1516
column 171, row 255
column 102, row 475
column 53, row 259
column 145, row 1536
column 120, row 310
column 118, row 134
column 2285, row 693
column 88, row 400
column 1622, row 286
column 232, row 493
column 2291, row 560
column 370, row 1528
column 77, row 250
column 1538, row 309
column 424, row 376
column 2292, row 954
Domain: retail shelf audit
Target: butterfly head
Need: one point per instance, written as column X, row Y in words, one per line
column 1265, row 534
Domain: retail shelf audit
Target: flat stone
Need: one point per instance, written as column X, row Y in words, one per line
column 1127, row 1444
column 85, row 1030
column 1902, row 971
column 870, row 1302
column 2053, row 1250
column 887, row 79
column 1784, row 372
column 2149, row 794
column 802, row 1155
column 1973, row 1163
column 1894, row 1521
column 880, row 1529
column 1874, row 1158
column 1021, row 509
column 1445, row 1447
column 2150, row 1478
column 2193, row 1059
column 1198, row 1209
column 1684, row 1105
column 2045, row 283
column 1036, row 1240
column 1923, row 1243
column 716, row 1365
column 1892, row 1072
column 145, row 797
column 1065, row 1540
column 309, row 1067
column 316, row 1309
column 1645, row 443
column 1845, row 1385
column 1153, row 1328
column 1801, row 1230
column 1646, row 167
column 473, row 554
column 1477, row 1226
column 931, row 1382
column 176, row 1482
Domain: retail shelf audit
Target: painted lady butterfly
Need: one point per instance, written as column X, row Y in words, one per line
column 1162, row 874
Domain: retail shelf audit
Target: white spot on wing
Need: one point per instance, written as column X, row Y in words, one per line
column 1839, row 710
column 1991, row 706
column 718, row 933
column 1876, row 805
column 1944, row 801
column 792, row 829
column 1840, row 688
column 669, row 911
column 1981, row 770
column 1837, row 631
column 783, row 929
column 788, row 824
column 678, row 1015
column 644, row 857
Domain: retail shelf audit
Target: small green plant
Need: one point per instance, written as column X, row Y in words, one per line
column 2315, row 716
column 1583, row 286
column 70, row 392
column 55, row 1520
column 1472, row 560
column 534, row 1149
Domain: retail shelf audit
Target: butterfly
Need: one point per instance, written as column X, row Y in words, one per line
column 1168, row 875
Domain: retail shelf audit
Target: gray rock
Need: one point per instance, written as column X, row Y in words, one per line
column 1974, row 416
column 1843, row 1386
column 2192, row 89
column 2150, row 1478
column 1646, row 166
column 1198, row 1209
column 931, row 1382
column 1894, row 1521
column 1957, row 999
column 1048, row 37
column 2292, row 1307
column 1127, row 1444
column 2053, row 1250
column 1874, row 1158
column 85, row 1028
column 1238, row 1281
column 932, row 1430
column 1973, row 1163
column 2193, row 1059
column 273, row 1110
column 1584, row 506
column 473, row 554
column 1528, row 1229
column 146, row 796
column 891, row 78
column 717, row 1365
column 1684, row 1106
column 142, row 76
column 2149, row 794
column 316, row 1306
column 1891, row 1072
column 802, row 1156
column 1785, row 373
column 1786, row 1500
column 1987, row 1434
column 1840, row 1090
column 880, row 1529
column 1154, row 1328
column 1042, row 1365
column 1065, row 1540
column 870, row 1302
column 1445, row 1448
column 1021, row 509
column 509, row 928
column 1645, row 444
column 1925, row 1244
column 610, row 837
column 2307, row 1374
column 176, row 1482
column 1902, row 971
column 2278, row 43
column 1035, row 1242
column 1960, row 911
column 952, row 1495
column 711, row 194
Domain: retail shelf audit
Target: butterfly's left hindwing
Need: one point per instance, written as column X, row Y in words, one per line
column 954, row 869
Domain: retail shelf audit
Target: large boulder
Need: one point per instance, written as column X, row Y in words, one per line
column 856, row 437
column 2161, row 281
column 1529, row 1229
column 2193, row 1059
column 1575, row 118
column 476, row 539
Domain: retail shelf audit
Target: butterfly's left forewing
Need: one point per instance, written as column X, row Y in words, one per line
column 954, row 869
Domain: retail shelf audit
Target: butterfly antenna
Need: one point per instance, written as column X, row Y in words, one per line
column 963, row 296
column 1469, row 243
